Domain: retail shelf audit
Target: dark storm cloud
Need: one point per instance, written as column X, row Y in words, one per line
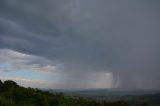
column 88, row 36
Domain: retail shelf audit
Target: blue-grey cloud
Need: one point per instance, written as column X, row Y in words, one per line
column 93, row 36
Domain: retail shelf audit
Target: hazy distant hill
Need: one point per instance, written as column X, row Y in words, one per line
column 131, row 96
column 106, row 92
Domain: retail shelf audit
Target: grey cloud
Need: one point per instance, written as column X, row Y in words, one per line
column 16, row 61
column 93, row 36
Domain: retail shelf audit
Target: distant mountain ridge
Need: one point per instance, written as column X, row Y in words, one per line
column 103, row 91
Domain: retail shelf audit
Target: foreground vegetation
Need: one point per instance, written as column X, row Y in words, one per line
column 11, row 94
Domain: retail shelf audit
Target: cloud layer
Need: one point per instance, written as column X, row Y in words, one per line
column 11, row 61
column 88, row 38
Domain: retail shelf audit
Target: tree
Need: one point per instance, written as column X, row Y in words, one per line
column 9, row 84
column 1, row 86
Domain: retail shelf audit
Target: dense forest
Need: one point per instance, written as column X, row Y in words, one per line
column 11, row 94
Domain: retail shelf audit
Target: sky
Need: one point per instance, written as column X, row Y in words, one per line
column 66, row 44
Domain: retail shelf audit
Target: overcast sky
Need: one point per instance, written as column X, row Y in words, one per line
column 81, row 43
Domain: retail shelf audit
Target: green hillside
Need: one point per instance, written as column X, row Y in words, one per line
column 11, row 94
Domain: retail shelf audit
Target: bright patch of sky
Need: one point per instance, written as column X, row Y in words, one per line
column 35, row 75
column 27, row 70
column 5, row 65
column 34, row 71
